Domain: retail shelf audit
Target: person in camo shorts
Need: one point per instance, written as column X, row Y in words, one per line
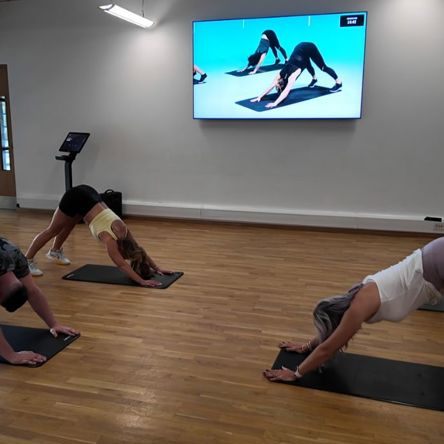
column 16, row 288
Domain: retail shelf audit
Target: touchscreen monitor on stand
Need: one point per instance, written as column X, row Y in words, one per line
column 72, row 145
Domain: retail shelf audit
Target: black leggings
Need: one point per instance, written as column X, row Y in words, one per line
column 306, row 51
column 318, row 60
column 282, row 50
column 274, row 43
column 79, row 200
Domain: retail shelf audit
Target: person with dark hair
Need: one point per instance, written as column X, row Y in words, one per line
column 299, row 60
column 203, row 74
column 16, row 288
column 268, row 40
column 84, row 202
column 389, row 295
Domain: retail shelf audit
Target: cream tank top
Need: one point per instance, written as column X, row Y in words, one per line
column 102, row 223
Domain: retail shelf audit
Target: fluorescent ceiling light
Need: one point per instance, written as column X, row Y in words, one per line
column 129, row 16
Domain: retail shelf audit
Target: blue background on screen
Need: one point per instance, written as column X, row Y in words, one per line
column 224, row 45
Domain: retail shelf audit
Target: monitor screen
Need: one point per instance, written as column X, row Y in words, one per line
column 292, row 67
column 74, row 142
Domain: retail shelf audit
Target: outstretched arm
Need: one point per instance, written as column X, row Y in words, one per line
column 261, row 60
column 40, row 305
column 365, row 304
column 272, row 85
column 283, row 95
column 300, row 347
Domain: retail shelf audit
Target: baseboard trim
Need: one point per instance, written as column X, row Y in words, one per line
column 8, row 202
column 319, row 219
column 345, row 220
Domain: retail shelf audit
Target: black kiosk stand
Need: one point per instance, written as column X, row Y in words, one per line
column 72, row 145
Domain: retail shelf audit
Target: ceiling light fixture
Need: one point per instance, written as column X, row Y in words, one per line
column 129, row 16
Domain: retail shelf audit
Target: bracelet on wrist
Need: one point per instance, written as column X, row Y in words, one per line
column 307, row 347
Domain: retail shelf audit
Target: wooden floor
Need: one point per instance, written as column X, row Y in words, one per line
column 183, row 365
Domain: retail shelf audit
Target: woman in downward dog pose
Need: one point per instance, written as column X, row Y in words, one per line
column 268, row 40
column 298, row 61
column 84, row 202
column 389, row 295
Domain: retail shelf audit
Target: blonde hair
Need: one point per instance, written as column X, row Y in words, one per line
column 129, row 249
column 328, row 313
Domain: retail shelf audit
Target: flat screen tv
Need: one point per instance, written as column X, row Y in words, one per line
column 292, row 67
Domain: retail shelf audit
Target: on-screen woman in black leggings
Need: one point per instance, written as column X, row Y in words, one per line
column 299, row 60
column 268, row 40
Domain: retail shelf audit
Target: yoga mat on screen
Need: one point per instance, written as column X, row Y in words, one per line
column 264, row 68
column 398, row 382
column 108, row 274
column 296, row 95
column 38, row 340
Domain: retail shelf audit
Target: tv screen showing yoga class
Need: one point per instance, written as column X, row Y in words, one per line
column 293, row 67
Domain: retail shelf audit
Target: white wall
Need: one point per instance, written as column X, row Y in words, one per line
column 72, row 67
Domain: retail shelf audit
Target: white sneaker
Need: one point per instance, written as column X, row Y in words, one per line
column 58, row 257
column 35, row 271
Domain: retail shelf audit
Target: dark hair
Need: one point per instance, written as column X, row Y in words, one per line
column 281, row 84
column 328, row 312
column 253, row 60
column 129, row 249
column 285, row 73
column 15, row 299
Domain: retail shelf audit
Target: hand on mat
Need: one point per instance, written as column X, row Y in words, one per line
column 271, row 105
column 298, row 347
column 257, row 99
column 284, row 374
column 27, row 358
column 57, row 328
column 161, row 271
column 151, row 283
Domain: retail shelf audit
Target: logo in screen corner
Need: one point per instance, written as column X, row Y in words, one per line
column 352, row 20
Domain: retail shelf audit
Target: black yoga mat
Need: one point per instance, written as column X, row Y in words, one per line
column 263, row 68
column 437, row 307
column 108, row 274
column 38, row 340
column 296, row 95
column 397, row 382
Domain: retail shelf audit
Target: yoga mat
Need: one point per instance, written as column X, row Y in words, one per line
column 429, row 307
column 38, row 340
column 263, row 68
column 296, row 95
column 398, row 382
column 108, row 274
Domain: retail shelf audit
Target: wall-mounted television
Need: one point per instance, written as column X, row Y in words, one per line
column 292, row 67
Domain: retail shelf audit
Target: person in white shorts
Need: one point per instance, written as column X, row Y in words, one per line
column 389, row 295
